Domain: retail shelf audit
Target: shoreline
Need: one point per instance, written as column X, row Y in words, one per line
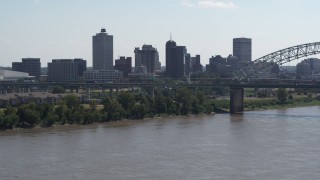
column 168, row 117
column 123, row 122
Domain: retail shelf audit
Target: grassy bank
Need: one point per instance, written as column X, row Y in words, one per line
column 264, row 104
column 268, row 103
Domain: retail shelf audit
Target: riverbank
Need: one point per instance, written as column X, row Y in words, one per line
column 269, row 104
column 119, row 123
column 73, row 113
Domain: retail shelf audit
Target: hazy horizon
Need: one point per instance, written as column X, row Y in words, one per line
column 60, row 29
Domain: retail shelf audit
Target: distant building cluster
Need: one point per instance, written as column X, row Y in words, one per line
column 178, row 63
column 309, row 67
column 15, row 99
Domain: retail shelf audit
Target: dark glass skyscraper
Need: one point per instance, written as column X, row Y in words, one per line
column 242, row 49
column 175, row 59
column 147, row 57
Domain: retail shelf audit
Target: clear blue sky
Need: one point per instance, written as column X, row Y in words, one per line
column 52, row 29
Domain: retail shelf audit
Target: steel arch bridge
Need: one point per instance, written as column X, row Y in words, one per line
column 252, row 69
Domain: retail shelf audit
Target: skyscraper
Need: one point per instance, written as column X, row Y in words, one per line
column 187, row 66
column 102, row 47
column 242, row 49
column 148, row 57
column 175, row 59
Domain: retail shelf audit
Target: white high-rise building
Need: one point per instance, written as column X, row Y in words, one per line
column 102, row 47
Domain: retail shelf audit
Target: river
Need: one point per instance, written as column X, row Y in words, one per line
column 275, row 144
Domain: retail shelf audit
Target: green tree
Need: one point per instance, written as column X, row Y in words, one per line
column 44, row 110
column 139, row 111
column 127, row 100
column 93, row 105
column 28, row 115
column 58, row 90
column 8, row 122
column 72, row 101
column 160, row 103
column 282, row 95
column 75, row 115
column 197, row 108
column 201, row 96
column 50, row 119
column 184, row 99
column 60, row 111
column 113, row 109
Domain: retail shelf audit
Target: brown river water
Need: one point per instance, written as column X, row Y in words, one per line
column 275, row 144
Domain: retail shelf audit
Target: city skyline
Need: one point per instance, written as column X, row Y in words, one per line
column 58, row 29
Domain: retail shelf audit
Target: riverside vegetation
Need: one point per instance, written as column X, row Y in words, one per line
column 135, row 105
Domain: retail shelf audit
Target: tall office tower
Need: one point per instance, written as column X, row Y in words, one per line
column 187, row 66
column 102, row 47
column 124, row 64
column 147, row 57
column 66, row 70
column 28, row 65
column 175, row 59
column 242, row 49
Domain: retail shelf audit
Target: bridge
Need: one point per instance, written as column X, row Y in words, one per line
column 243, row 78
column 280, row 57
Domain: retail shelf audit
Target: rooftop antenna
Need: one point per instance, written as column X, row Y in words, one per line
column 170, row 36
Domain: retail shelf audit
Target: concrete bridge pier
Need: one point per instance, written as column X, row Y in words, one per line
column 236, row 100
column 103, row 90
column 88, row 89
column 4, row 91
column 150, row 91
column 111, row 93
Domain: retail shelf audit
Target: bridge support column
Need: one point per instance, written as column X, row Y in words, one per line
column 88, row 92
column 236, row 100
column 103, row 92
column 151, row 92
column 111, row 93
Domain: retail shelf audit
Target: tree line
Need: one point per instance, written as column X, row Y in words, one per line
column 136, row 105
column 125, row 105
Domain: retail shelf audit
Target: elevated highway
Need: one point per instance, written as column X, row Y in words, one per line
column 236, row 87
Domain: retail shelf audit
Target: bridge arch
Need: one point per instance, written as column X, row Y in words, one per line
column 279, row 57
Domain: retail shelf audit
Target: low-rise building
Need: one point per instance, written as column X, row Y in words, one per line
column 15, row 99
column 6, row 75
